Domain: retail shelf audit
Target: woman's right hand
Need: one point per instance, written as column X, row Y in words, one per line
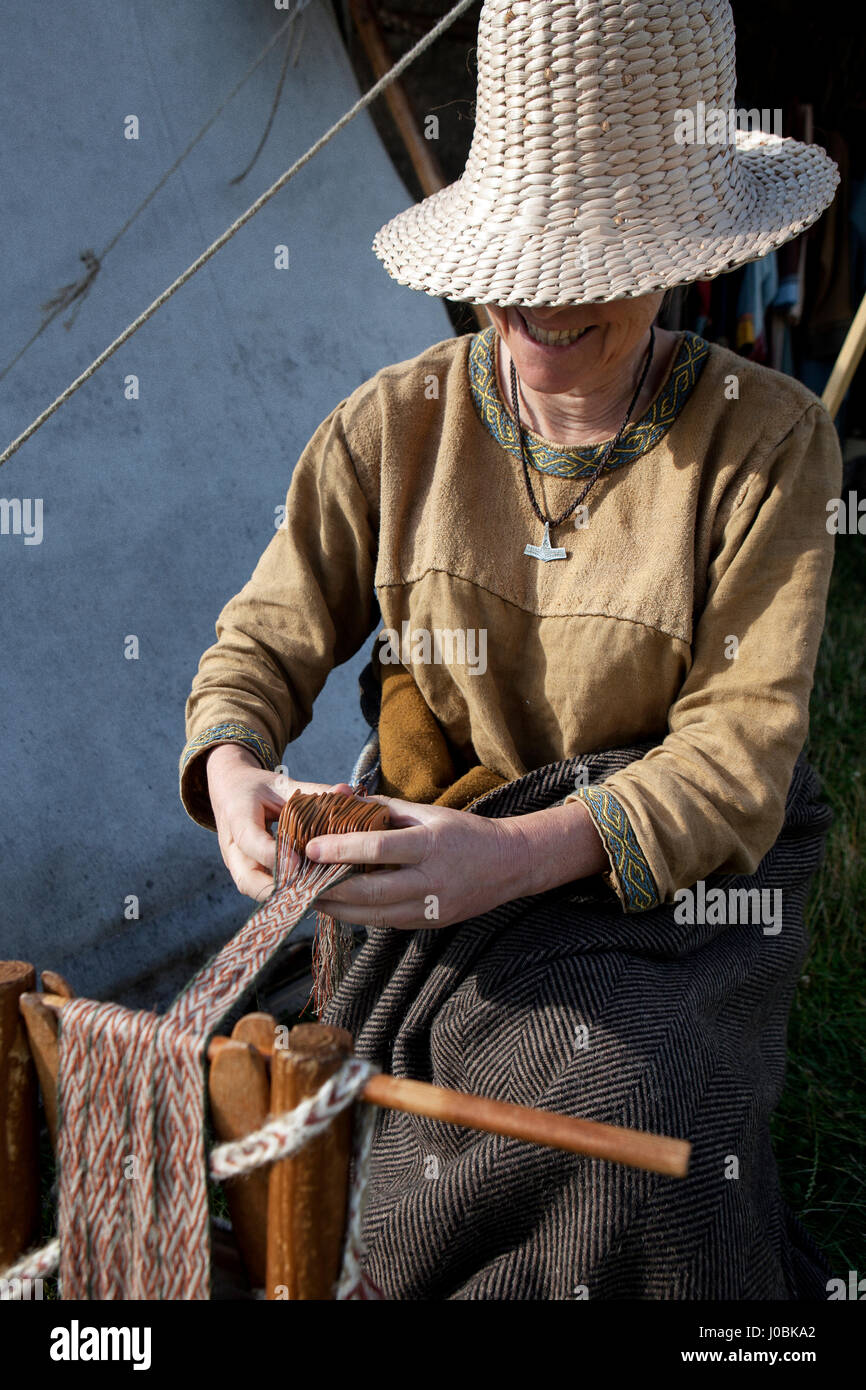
column 244, row 799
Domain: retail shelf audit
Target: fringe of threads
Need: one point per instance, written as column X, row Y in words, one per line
column 332, row 959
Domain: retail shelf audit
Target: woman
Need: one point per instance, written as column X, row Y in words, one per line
column 601, row 561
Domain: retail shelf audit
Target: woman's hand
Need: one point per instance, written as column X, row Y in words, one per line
column 455, row 865
column 244, row 798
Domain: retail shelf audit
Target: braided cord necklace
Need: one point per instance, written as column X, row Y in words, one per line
column 546, row 551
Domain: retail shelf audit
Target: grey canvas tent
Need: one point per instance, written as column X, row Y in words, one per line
column 158, row 481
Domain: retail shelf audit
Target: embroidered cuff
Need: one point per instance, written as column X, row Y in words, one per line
column 193, row 777
column 630, row 875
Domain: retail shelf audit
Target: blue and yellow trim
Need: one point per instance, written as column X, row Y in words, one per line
column 638, row 439
column 193, row 782
column 231, row 732
column 634, row 881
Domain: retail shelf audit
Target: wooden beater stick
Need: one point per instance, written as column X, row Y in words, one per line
column 631, row 1147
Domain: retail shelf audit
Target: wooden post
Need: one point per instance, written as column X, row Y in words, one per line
column 847, row 362
column 52, row 983
column 19, row 1133
column 418, row 147
column 258, row 1029
column 308, row 1193
column 239, row 1092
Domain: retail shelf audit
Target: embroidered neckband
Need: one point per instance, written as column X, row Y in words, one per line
column 546, row 457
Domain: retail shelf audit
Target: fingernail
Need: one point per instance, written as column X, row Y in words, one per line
column 312, row 850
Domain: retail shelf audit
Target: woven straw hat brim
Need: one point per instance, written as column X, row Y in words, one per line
column 457, row 247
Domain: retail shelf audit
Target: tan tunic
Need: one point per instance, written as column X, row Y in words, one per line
column 690, row 607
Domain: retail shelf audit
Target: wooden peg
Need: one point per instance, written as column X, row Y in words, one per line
column 239, row 1096
column 19, row 1133
column 308, row 1193
column 258, row 1029
column 52, row 983
column 40, row 1020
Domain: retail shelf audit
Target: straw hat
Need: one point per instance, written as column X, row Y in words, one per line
column 581, row 184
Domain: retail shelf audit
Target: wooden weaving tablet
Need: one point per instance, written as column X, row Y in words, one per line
column 308, row 814
column 304, row 816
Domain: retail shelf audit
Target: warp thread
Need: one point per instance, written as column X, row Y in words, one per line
column 281, row 1137
column 132, row 1207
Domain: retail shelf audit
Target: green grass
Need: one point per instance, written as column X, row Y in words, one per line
column 819, row 1127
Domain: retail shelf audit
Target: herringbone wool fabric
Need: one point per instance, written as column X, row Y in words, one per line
column 564, row 1002
column 132, row 1206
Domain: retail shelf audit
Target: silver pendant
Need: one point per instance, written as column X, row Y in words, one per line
column 546, row 551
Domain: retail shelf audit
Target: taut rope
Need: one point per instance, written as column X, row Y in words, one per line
column 369, row 96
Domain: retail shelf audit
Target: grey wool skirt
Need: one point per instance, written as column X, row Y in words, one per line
column 564, row 1002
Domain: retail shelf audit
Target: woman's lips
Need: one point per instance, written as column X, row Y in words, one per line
column 552, row 348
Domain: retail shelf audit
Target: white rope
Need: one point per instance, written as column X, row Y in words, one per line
column 385, row 81
column 281, row 1137
column 38, row 1264
column 285, row 1134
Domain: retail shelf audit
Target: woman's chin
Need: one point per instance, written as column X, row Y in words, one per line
column 541, row 371
column 550, row 366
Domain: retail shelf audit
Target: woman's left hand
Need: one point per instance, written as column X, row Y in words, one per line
column 453, row 866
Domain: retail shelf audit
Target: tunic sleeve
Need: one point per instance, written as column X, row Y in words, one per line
column 308, row 607
column 711, row 796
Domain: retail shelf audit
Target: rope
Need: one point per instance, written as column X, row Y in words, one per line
column 378, row 87
column 286, row 1134
column 38, row 1264
column 281, row 1137
column 275, row 103
column 79, row 289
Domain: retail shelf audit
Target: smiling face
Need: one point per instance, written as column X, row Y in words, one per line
column 576, row 348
